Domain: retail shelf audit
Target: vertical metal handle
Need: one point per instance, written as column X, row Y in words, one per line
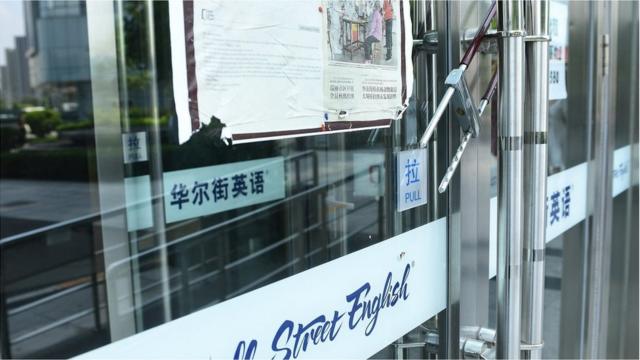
column 510, row 177
column 535, row 177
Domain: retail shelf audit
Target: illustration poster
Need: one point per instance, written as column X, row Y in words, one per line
column 267, row 70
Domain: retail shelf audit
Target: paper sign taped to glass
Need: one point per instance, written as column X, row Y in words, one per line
column 264, row 70
column 558, row 49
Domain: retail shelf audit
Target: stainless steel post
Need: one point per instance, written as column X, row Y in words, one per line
column 431, row 109
column 510, row 175
column 155, row 161
column 535, row 176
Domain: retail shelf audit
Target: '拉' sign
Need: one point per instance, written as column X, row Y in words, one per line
column 411, row 179
column 212, row 189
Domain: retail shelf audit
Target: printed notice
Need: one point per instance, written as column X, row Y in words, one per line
column 558, row 49
column 267, row 70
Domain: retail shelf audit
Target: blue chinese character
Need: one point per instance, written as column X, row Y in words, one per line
column 566, row 201
column 134, row 143
column 555, row 207
column 257, row 182
column 411, row 173
column 220, row 189
column 200, row 191
column 239, row 186
column 180, row 195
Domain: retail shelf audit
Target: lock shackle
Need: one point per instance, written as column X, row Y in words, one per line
column 484, row 101
column 491, row 89
column 466, row 59
column 477, row 39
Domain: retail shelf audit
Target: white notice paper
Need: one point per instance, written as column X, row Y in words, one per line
column 274, row 69
column 558, row 49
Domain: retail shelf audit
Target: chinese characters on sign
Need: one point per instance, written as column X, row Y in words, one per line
column 412, row 179
column 557, row 211
column 566, row 200
column 208, row 190
column 134, row 147
column 199, row 192
column 558, row 49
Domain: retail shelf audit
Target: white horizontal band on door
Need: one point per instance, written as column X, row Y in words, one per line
column 621, row 177
column 351, row 307
column 567, row 198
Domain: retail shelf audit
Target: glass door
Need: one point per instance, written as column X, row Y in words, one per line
column 121, row 255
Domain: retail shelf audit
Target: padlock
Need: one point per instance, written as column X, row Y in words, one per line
column 471, row 131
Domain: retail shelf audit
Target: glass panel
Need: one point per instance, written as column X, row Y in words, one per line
column 89, row 252
column 53, row 295
column 569, row 143
column 623, row 286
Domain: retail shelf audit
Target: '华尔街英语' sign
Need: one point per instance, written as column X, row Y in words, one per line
column 351, row 307
column 208, row 190
column 274, row 69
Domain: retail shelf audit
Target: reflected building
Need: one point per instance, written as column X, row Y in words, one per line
column 58, row 55
column 14, row 83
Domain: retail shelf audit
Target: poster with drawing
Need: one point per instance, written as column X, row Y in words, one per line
column 268, row 70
